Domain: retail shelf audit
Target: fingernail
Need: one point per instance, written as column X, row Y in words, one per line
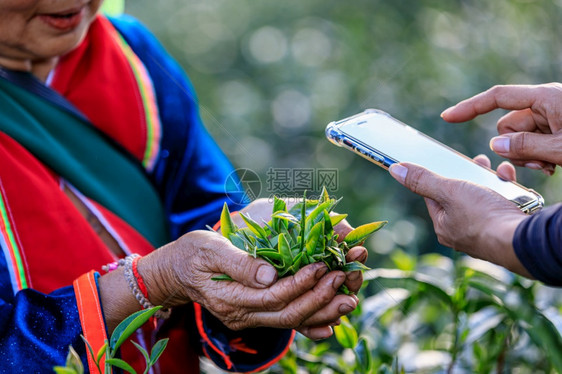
column 447, row 111
column 500, row 144
column 399, row 172
column 338, row 281
column 345, row 308
column 266, row 275
column 532, row 165
column 321, row 271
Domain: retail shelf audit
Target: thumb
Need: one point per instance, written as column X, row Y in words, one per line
column 529, row 146
column 418, row 180
column 245, row 269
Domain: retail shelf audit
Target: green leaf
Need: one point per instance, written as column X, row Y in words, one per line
column 324, row 196
column 227, row 225
column 279, row 204
column 403, row 261
column 345, row 333
column 63, row 370
column 362, row 232
column 101, row 352
column 411, row 281
column 254, row 226
column 90, row 350
column 319, row 210
column 222, row 277
column 337, row 218
column 285, row 250
column 354, row 266
column 313, row 237
column 286, row 217
column 363, row 354
column 128, row 326
column 117, row 362
column 143, row 351
column 269, row 253
column 237, row 241
column 338, row 254
column 328, row 228
column 157, row 350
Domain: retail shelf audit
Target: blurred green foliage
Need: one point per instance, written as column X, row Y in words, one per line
column 271, row 74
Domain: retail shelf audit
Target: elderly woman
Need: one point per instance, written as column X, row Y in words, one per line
column 103, row 155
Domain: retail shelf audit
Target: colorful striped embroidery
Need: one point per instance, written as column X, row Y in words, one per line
column 146, row 89
column 11, row 251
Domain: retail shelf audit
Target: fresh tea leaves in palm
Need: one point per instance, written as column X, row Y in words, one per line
column 296, row 237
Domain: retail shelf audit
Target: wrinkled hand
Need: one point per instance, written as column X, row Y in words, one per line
column 531, row 134
column 467, row 217
column 306, row 301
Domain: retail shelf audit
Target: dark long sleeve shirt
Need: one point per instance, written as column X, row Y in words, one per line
column 538, row 245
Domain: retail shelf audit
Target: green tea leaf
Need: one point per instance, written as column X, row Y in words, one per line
column 254, row 226
column 157, row 350
column 363, row 354
column 345, row 333
column 354, row 266
column 285, row 250
column 271, row 256
column 129, row 325
column 101, row 352
column 73, row 362
column 286, row 217
column 121, row 365
column 313, row 238
column 362, row 232
column 279, row 205
column 311, row 219
column 142, row 350
column 90, row 350
column 237, row 241
column 324, row 196
column 337, row 218
column 63, row 370
column 227, row 225
column 338, row 254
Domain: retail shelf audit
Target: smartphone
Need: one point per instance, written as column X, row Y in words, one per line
column 383, row 140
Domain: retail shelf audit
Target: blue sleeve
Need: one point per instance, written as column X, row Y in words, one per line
column 191, row 170
column 36, row 330
column 538, row 245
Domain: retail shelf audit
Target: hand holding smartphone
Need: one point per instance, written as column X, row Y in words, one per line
column 383, row 140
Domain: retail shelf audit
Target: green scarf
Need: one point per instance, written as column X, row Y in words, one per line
column 78, row 152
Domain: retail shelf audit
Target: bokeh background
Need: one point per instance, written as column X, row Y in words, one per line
column 271, row 74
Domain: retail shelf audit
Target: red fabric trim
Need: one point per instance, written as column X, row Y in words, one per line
column 238, row 345
column 275, row 359
column 91, row 316
column 203, row 333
